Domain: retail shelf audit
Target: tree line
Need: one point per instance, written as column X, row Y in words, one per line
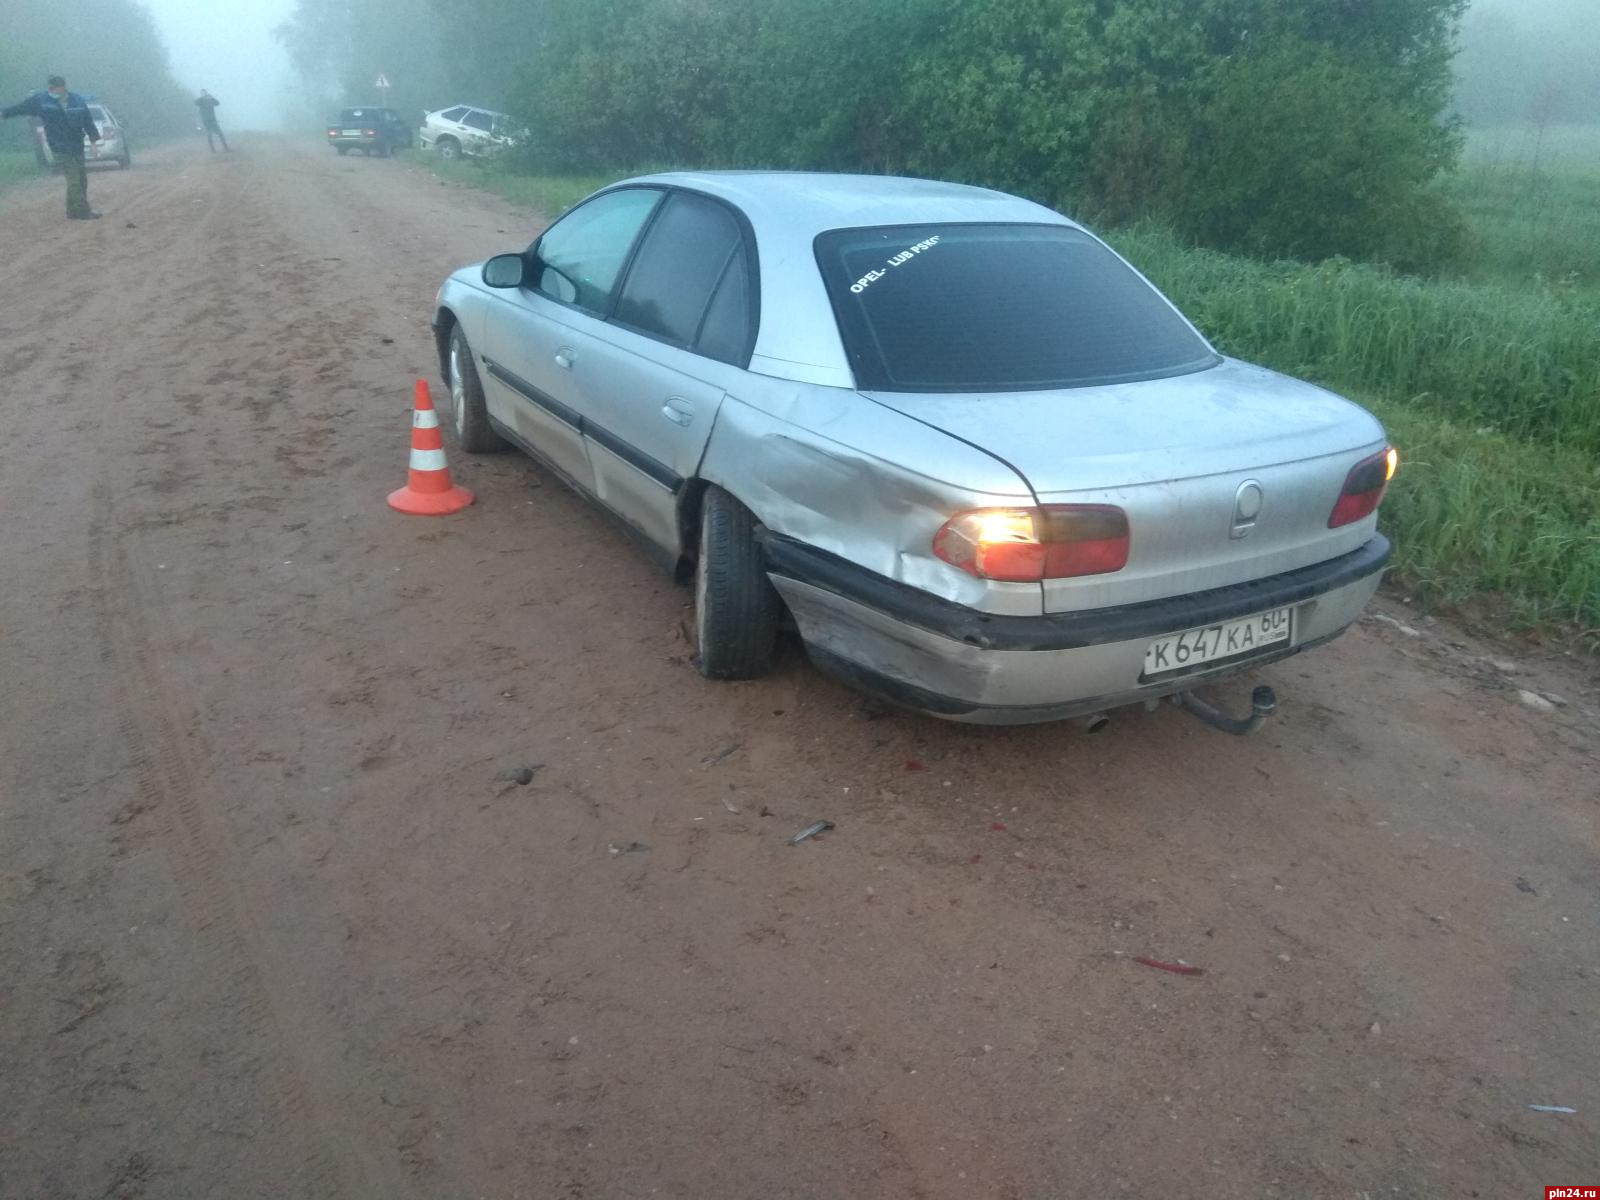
column 106, row 48
column 1278, row 128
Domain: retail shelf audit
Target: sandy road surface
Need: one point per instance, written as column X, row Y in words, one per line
column 271, row 927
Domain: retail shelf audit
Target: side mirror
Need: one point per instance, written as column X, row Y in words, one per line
column 504, row 271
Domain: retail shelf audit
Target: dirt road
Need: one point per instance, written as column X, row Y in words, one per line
column 273, row 927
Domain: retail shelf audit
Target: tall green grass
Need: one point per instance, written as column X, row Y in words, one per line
column 1517, row 360
column 1482, row 516
column 1532, row 199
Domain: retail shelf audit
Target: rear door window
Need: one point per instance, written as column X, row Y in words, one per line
column 452, row 114
column 579, row 258
column 683, row 259
column 478, row 120
column 993, row 308
column 729, row 325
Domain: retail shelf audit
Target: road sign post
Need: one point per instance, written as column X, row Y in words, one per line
column 382, row 84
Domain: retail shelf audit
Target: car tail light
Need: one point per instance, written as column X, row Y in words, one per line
column 369, row 133
column 1364, row 488
column 333, row 133
column 1026, row 545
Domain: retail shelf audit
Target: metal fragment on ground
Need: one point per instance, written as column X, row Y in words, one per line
column 810, row 831
column 1175, row 968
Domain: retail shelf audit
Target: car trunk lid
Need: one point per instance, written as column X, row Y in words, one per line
column 1183, row 456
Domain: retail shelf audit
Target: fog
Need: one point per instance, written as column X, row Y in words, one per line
column 1530, row 61
column 228, row 49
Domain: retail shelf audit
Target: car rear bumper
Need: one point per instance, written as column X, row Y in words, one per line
column 356, row 141
column 954, row 662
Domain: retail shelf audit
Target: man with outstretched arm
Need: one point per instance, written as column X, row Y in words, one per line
column 66, row 120
column 207, row 104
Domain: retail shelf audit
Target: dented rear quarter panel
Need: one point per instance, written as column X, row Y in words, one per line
column 827, row 467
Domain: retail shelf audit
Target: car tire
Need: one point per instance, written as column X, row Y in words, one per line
column 125, row 161
column 342, row 150
column 736, row 608
column 448, row 148
column 469, row 414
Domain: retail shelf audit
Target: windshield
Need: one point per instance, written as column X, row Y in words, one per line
column 996, row 308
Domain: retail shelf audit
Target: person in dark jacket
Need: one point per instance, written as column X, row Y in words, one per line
column 207, row 104
column 66, row 120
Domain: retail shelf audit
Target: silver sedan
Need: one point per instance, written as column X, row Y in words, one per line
column 985, row 468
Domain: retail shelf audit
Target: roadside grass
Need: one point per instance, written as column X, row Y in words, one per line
column 1533, row 200
column 1520, row 360
column 1490, row 388
column 550, row 194
column 1505, row 527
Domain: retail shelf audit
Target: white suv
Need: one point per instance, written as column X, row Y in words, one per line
column 467, row 130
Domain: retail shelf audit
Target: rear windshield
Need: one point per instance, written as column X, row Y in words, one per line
column 97, row 115
column 355, row 116
column 998, row 308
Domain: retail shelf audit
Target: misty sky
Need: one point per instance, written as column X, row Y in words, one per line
column 228, row 48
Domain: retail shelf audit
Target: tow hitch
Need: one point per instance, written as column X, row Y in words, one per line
column 1263, row 703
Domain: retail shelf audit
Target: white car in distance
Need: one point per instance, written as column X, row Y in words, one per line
column 466, row 130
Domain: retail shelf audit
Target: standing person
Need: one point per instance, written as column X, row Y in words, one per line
column 207, row 104
column 66, row 120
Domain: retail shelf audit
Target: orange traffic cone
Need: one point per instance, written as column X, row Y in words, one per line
column 428, row 491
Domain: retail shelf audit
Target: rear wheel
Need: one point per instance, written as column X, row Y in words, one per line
column 448, row 148
column 469, row 415
column 736, row 608
column 125, row 161
column 343, row 150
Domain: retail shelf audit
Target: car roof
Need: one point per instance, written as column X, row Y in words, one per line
column 788, row 209
column 804, row 204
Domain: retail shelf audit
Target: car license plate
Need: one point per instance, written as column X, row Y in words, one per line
column 1217, row 643
column 351, row 132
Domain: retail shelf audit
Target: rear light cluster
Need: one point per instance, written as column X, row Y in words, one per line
column 1027, row 545
column 1364, row 488
column 369, row 133
column 333, row 133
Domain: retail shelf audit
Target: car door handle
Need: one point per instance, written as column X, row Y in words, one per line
column 678, row 410
column 565, row 357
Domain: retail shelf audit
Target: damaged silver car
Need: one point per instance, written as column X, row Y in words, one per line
column 982, row 464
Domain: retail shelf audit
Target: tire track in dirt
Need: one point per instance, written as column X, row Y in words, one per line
column 171, row 788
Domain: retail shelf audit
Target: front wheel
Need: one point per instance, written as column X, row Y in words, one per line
column 469, row 415
column 448, row 148
column 736, row 608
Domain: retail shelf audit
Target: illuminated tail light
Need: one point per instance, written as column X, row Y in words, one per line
column 1364, row 488
column 333, row 133
column 369, row 133
column 1026, row 545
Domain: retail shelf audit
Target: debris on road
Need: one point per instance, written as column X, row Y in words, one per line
column 1553, row 1108
column 629, row 848
column 1524, row 886
column 1398, row 626
column 1535, row 701
column 811, row 831
column 521, row 775
column 998, row 827
column 717, row 756
column 1176, row 968
column 913, row 765
column 730, row 806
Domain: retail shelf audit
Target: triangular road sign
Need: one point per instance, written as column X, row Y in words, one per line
column 383, row 81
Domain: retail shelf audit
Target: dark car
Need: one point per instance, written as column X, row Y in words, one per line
column 379, row 131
